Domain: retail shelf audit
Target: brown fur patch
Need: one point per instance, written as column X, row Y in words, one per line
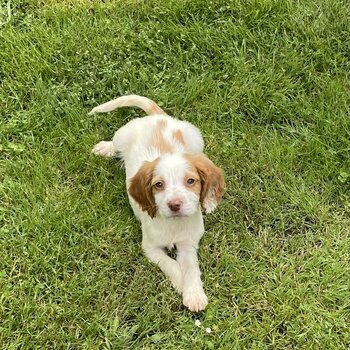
column 162, row 123
column 212, row 177
column 179, row 137
column 140, row 188
column 158, row 140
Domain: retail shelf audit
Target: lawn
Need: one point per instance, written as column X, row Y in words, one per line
column 267, row 82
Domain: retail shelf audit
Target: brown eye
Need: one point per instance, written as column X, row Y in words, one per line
column 191, row 181
column 159, row 185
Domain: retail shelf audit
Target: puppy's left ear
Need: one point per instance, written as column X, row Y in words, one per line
column 212, row 181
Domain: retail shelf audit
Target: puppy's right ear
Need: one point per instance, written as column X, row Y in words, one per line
column 140, row 188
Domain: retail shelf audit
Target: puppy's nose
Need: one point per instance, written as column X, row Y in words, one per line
column 175, row 205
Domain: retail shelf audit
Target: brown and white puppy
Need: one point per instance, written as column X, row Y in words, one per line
column 170, row 183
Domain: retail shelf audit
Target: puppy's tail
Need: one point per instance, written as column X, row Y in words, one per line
column 149, row 106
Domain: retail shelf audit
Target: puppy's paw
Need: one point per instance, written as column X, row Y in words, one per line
column 195, row 299
column 104, row 148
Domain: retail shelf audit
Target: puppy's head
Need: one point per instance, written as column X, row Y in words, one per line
column 176, row 185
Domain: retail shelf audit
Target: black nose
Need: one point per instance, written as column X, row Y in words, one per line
column 175, row 205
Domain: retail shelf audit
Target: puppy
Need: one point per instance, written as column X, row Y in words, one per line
column 169, row 182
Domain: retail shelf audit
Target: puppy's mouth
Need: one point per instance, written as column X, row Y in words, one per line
column 177, row 215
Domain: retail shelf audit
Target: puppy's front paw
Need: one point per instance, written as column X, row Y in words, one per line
column 104, row 148
column 195, row 299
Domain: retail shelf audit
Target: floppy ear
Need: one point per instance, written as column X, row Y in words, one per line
column 212, row 181
column 141, row 190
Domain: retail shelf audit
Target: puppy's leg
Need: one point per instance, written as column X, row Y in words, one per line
column 104, row 148
column 193, row 294
column 169, row 266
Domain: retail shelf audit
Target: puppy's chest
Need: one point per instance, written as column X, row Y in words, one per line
column 170, row 239
column 167, row 233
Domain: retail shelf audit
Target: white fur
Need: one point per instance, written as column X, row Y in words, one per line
column 132, row 143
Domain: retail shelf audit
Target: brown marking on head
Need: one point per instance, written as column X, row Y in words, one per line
column 140, row 188
column 158, row 140
column 212, row 180
column 177, row 135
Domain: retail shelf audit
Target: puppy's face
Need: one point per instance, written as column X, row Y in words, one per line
column 176, row 185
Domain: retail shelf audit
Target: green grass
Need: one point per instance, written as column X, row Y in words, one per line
column 266, row 81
